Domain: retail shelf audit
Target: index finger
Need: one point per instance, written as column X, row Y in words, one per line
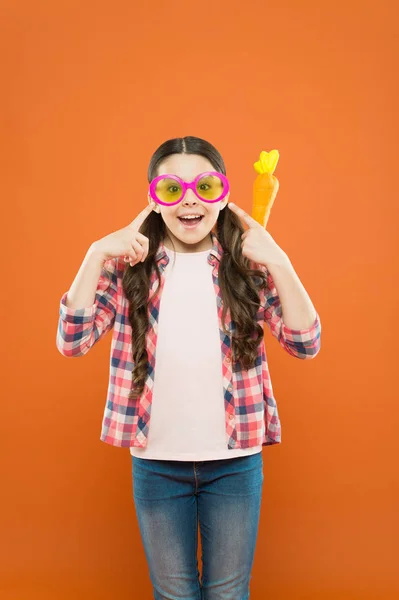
column 141, row 217
column 250, row 221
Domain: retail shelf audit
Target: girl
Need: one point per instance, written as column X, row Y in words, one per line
column 196, row 429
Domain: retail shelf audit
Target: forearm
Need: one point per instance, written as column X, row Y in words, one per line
column 298, row 310
column 82, row 292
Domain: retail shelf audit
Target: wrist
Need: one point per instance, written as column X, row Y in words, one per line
column 279, row 259
column 281, row 265
column 96, row 253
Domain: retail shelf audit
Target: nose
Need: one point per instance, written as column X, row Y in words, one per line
column 190, row 198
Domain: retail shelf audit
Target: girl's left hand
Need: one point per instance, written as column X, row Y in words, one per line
column 257, row 243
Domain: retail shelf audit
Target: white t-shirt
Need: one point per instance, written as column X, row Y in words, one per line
column 187, row 413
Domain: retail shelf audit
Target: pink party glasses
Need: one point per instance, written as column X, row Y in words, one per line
column 169, row 190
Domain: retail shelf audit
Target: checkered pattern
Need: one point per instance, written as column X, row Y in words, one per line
column 251, row 414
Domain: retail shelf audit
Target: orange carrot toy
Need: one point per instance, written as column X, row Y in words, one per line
column 265, row 186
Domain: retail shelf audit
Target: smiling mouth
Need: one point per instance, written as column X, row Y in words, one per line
column 190, row 223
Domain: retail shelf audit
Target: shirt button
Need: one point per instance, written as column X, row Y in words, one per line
column 231, row 416
column 228, row 359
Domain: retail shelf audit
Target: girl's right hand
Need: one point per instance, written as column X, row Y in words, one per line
column 127, row 242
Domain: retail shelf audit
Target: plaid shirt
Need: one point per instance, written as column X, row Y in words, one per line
column 251, row 415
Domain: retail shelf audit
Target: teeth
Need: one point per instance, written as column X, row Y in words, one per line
column 191, row 217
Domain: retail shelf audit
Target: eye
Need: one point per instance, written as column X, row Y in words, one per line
column 173, row 189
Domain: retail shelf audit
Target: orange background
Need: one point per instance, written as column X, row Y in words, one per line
column 90, row 89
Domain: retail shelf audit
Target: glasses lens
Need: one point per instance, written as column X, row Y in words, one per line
column 210, row 187
column 168, row 190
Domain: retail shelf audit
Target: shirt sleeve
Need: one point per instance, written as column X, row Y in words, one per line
column 80, row 328
column 300, row 343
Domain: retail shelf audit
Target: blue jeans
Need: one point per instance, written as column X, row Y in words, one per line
column 223, row 496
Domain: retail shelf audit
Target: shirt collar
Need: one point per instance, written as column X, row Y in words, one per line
column 216, row 249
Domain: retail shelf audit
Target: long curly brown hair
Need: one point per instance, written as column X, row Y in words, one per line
column 239, row 284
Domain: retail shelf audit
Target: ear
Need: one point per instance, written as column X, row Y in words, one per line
column 224, row 202
column 156, row 208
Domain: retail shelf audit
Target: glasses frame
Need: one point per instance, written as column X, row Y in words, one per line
column 192, row 186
